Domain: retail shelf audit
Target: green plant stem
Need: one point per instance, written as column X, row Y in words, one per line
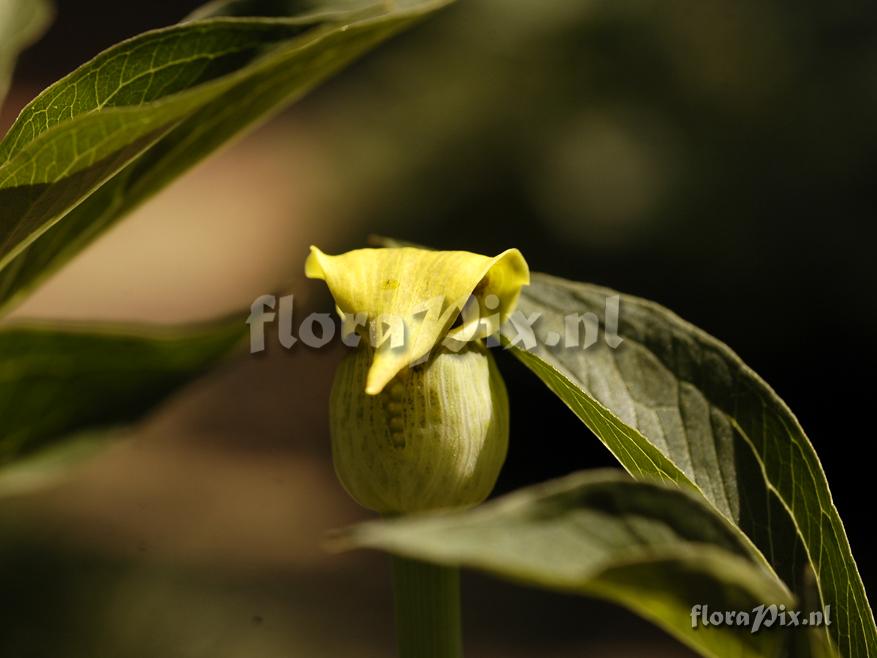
column 427, row 609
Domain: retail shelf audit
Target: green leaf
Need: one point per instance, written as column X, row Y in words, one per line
column 655, row 549
column 21, row 23
column 58, row 382
column 674, row 403
column 113, row 132
column 275, row 8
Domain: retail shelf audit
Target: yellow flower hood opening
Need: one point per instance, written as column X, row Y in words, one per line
column 426, row 291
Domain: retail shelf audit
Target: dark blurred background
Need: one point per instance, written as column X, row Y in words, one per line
column 717, row 157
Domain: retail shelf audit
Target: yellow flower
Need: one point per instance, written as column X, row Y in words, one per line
column 425, row 290
column 420, row 420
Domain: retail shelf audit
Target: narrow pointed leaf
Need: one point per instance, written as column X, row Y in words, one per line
column 101, row 140
column 672, row 402
column 55, row 382
column 655, row 549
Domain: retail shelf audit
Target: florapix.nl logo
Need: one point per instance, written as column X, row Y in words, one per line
column 760, row 617
column 467, row 320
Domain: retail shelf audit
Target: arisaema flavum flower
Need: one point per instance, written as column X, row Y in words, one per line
column 419, row 414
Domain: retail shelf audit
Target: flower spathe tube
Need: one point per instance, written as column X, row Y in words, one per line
column 419, row 426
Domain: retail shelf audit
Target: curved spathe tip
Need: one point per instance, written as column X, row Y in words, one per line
column 411, row 297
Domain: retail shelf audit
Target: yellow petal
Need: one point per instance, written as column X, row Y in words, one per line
column 423, row 290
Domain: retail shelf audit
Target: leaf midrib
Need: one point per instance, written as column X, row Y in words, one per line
column 211, row 90
column 681, row 477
